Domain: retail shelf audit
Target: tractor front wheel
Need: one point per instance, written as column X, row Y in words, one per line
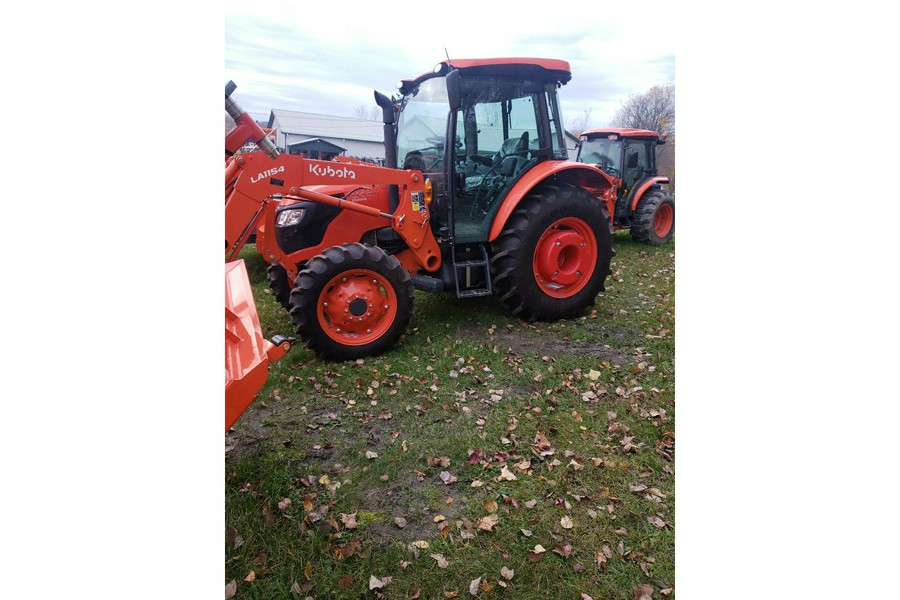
column 279, row 284
column 553, row 255
column 653, row 221
column 352, row 301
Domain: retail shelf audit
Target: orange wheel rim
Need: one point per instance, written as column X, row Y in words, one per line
column 565, row 257
column 662, row 223
column 357, row 307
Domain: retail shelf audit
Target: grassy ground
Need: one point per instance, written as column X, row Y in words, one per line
column 481, row 455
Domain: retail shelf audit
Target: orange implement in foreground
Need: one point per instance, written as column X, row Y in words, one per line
column 247, row 352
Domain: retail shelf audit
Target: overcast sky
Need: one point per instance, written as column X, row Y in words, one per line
column 328, row 58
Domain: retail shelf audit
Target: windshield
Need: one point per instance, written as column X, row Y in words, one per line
column 422, row 126
column 600, row 151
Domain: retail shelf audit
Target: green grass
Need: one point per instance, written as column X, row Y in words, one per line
column 467, row 376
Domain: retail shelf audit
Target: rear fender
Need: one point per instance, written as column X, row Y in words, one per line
column 643, row 187
column 589, row 177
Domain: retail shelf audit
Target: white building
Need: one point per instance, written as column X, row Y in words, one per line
column 324, row 137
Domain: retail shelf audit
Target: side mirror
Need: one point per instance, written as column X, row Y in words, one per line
column 454, row 95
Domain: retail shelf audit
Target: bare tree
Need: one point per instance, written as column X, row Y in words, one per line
column 653, row 110
column 369, row 113
column 580, row 124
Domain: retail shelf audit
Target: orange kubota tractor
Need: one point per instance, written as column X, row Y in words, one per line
column 484, row 202
column 640, row 203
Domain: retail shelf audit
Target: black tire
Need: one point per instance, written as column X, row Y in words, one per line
column 337, row 300
column 653, row 221
column 279, row 284
column 516, row 266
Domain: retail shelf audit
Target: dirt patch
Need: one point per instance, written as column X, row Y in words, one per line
column 528, row 341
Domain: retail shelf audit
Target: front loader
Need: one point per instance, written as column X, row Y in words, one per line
column 477, row 198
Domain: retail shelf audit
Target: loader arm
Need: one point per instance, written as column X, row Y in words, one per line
column 257, row 182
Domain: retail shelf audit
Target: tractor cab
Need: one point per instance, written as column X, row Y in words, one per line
column 474, row 128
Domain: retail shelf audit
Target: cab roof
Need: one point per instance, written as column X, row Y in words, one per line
column 544, row 70
column 621, row 131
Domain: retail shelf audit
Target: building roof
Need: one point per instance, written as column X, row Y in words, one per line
column 317, row 145
column 292, row 122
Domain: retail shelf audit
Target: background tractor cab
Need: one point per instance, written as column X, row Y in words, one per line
column 629, row 156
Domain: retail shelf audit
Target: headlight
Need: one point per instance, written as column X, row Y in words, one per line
column 293, row 216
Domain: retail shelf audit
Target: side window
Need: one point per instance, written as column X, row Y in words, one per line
column 637, row 162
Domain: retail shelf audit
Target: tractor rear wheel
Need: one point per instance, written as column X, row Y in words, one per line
column 352, row 301
column 280, row 284
column 653, row 221
column 553, row 255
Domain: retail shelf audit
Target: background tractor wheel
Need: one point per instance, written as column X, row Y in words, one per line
column 279, row 284
column 553, row 255
column 653, row 221
column 352, row 301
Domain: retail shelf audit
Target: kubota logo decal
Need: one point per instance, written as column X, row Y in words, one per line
column 267, row 173
column 329, row 171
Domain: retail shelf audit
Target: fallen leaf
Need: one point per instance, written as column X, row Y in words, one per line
column 656, row 521
column 526, row 532
column 538, row 549
column 416, row 593
column 420, row 544
column 490, row 505
column 230, row 589
column 370, row 454
column 439, row 518
column 283, row 504
column 600, row 557
column 447, row 478
column 477, row 484
column 346, row 582
column 474, row 585
column 450, row 594
column 251, row 576
column 400, row 522
column 566, row 522
column 642, row 592
column 531, row 504
column 375, row 583
column 507, row 573
column 349, row 521
column 487, row 523
column 506, row 475
column 441, row 561
column 585, row 596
